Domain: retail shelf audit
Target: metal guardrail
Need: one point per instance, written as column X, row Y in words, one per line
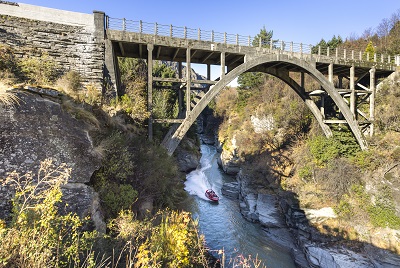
column 240, row 40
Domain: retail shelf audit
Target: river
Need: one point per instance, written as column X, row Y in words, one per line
column 222, row 224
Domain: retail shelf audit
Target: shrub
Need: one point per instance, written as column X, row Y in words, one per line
column 173, row 243
column 323, row 149
column 38, row 236
column 383, row 211
column 344, row 209
column 118, row 197
column 306, row 172
column 40, row 71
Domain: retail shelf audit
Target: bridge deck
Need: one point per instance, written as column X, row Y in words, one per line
column 131, row 44
column 277, row 58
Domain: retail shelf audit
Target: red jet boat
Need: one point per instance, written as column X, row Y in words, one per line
column 210, row 194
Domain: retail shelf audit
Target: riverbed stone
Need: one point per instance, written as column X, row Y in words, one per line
column 249, row 207
column 320, row 215
column 231, row 190
column 187, row 156
column 268, row 211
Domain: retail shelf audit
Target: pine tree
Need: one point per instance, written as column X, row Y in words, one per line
column 370, row 51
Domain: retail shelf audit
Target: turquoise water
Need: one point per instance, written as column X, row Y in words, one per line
column 222, row 224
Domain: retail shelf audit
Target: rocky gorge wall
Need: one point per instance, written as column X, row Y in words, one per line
column 75, row 41
column 40, row 128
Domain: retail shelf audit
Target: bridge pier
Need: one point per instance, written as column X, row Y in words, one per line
column 150, row 48
column 188, row 81
column 180, row 91
column 353, row 92
column 372, row 100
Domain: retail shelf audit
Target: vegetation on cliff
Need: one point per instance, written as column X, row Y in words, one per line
column 282, row 147
column 138, row 183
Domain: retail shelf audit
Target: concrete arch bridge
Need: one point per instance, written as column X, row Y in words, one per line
column 236, row 55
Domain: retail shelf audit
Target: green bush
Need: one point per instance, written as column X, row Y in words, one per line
column 306, row 172
column 383, row 211
column 383, row 215
column 42, row 71
column 344, row 209
column 37, row 235
column 324, row 149
column 118, row 197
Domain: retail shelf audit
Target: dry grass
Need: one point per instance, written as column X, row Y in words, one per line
column 81, row 113
column 7, row 98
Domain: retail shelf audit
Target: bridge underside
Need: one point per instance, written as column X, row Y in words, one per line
column 344, row 85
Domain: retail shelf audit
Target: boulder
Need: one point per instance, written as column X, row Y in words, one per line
column 230, row 189
column 268, row 211
column 187, row 156
column 319, row 256
column 229, row 163
column 248, row 207
column 39, row 128
column 319, row 215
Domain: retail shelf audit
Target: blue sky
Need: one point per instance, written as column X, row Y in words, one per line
column 305, row 21
column 300, row 21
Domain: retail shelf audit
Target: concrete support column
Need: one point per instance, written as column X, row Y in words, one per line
column 208, row 75
column 330, row 72
column 340, row 81
column 372, row 100
column 180, row 91
column 150, row 48
column 188, row 81
column 302, row 80
column 353, row 91
column 222, row 64
column 110, row 72
column 323, row 105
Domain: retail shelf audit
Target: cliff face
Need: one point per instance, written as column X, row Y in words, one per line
column 39, row 128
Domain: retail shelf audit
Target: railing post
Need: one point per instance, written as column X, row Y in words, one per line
column 381, row 58
column 185, row 32
column 319, row 50
column 170, row 30
column 360, row 53
column 212, row 36
column 374, row 57
column 352, row 54
column 271, row 46
column 291, row 48
column 249, row 41
column 327, row 51
column 282, row 48
column 389, row 59
column 301, row 50
column 237, row 39
column 124, row 24
column 224, row 38
column 199, row 34
column 367, row 56
column 155, row 28
column 140, row 26
column 259, row 41
column 337, row 52
column 344, row 54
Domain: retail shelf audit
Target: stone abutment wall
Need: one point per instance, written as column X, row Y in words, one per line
column 75, row 41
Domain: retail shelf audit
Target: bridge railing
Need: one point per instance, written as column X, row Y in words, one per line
column 240, row 40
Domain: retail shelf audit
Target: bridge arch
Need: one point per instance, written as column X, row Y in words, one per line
column 172, row 140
